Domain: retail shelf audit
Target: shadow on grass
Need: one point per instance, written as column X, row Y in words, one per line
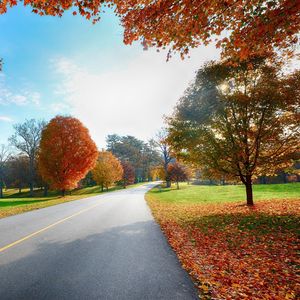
column 36, row 194
column 94, row 190
column 40, row 193
column 260, row 223
column 25, row 202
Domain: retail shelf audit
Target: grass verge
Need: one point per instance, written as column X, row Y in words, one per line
column 232, row 251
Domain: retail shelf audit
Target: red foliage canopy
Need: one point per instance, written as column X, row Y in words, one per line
column 242, row 28
column 67, row 152
column 177, row 172
column 128, row 173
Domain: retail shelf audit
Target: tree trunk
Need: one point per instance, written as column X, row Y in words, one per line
column 177, row 185
column 249, row 191
column 31, row 189
column 1, row 191
column 102, row 188
column 31, row 170
column 63, row 192
column 45, row 191
column 168, row 182
column 20, row 189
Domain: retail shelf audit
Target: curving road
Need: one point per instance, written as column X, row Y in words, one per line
column 103, row 247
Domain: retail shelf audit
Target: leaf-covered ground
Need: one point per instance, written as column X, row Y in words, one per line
column 232, row 251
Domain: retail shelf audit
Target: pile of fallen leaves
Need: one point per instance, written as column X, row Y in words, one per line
column 233, row 251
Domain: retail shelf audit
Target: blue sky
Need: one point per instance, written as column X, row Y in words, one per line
column 69, row 66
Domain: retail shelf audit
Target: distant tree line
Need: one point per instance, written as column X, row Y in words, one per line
column 60, row 155
column 142, row 156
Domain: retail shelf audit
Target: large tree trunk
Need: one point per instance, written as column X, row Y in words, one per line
column 63, row 192
column 1, row 191
column 249, row 191
column 102, row 188
column 31, row 176
column 177, row 185
column 31, row 189
column 45, row 191
column 168, row 181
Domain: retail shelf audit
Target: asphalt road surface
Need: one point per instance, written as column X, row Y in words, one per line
column 103, row 247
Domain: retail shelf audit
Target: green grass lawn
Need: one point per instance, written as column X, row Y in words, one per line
column 228, row 193
column 15, row 202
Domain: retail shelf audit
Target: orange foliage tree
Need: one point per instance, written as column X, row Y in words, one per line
column 240, row 27
column 158, row 173
column 108, row 170
column 66, row 153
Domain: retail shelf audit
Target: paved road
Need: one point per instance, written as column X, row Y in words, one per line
column 104, row 247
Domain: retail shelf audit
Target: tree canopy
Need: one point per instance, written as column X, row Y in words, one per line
column 26, row 139
column 5, row 155
column 241, row 28
column 108, row 169
column 128, row 174
column 66, row 153
column 239, row 120
column 178, row 172
column 142, row 156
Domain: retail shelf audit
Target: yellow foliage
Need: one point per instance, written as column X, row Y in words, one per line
column 108, row 169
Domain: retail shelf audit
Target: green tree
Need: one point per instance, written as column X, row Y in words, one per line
column 17, row 172
column 26, row 139
column 5, row 155
column 241, row 120
column 142, row 156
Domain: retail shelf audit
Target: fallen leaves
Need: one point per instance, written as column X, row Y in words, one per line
column 233, row 251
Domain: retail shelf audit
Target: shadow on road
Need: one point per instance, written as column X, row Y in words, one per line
column 128, row 262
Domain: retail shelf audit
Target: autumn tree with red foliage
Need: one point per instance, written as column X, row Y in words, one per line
column 66, row 154
column 240, row 27
column 178, row 172
column 128, row 173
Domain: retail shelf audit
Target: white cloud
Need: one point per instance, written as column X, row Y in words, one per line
column 128, row 100
column 17, row 97
column 59, row 107
column 5, row 119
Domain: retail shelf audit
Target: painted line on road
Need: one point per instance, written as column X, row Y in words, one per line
column 46, row 228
